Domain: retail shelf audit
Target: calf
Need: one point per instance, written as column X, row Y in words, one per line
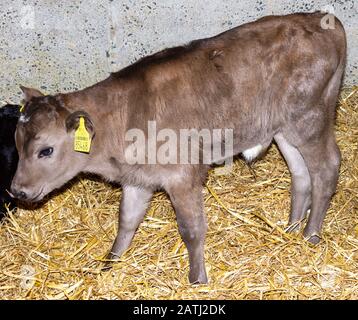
column 9, row 115
column 274, row 79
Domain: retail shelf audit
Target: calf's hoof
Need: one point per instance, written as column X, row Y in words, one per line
column 111, row 258
column 313, row 238
column 198, row 278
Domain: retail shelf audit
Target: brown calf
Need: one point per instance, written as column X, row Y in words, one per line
column 276, row 78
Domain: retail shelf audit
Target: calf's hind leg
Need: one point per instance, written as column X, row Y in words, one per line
column 300, row 181
column 323, row 160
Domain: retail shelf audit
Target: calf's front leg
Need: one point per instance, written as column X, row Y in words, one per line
column 135, row 201
column 188, row 205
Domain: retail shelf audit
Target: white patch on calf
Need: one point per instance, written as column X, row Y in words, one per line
column 252, row 153
column 24, row 119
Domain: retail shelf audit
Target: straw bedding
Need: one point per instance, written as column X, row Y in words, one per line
column 55, row 251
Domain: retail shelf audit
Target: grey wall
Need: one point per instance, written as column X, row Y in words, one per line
column 70, row 44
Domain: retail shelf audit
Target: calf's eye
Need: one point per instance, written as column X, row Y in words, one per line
column 45, row 152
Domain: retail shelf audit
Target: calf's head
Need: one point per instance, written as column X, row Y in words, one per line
column 44, row 139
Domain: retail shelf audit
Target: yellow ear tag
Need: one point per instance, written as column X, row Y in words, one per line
column 22, row 108
column 82, row 138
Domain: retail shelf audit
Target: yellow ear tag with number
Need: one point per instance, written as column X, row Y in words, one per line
column 22, row 108
column 82, row 138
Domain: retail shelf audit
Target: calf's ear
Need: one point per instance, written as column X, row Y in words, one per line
column 31, row 93
column 73, row 121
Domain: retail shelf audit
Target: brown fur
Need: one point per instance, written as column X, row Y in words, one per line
column 276, row 78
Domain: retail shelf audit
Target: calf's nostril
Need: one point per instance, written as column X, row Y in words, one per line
column 21, row 195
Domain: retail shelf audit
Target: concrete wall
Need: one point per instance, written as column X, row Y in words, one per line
column 67, row 45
